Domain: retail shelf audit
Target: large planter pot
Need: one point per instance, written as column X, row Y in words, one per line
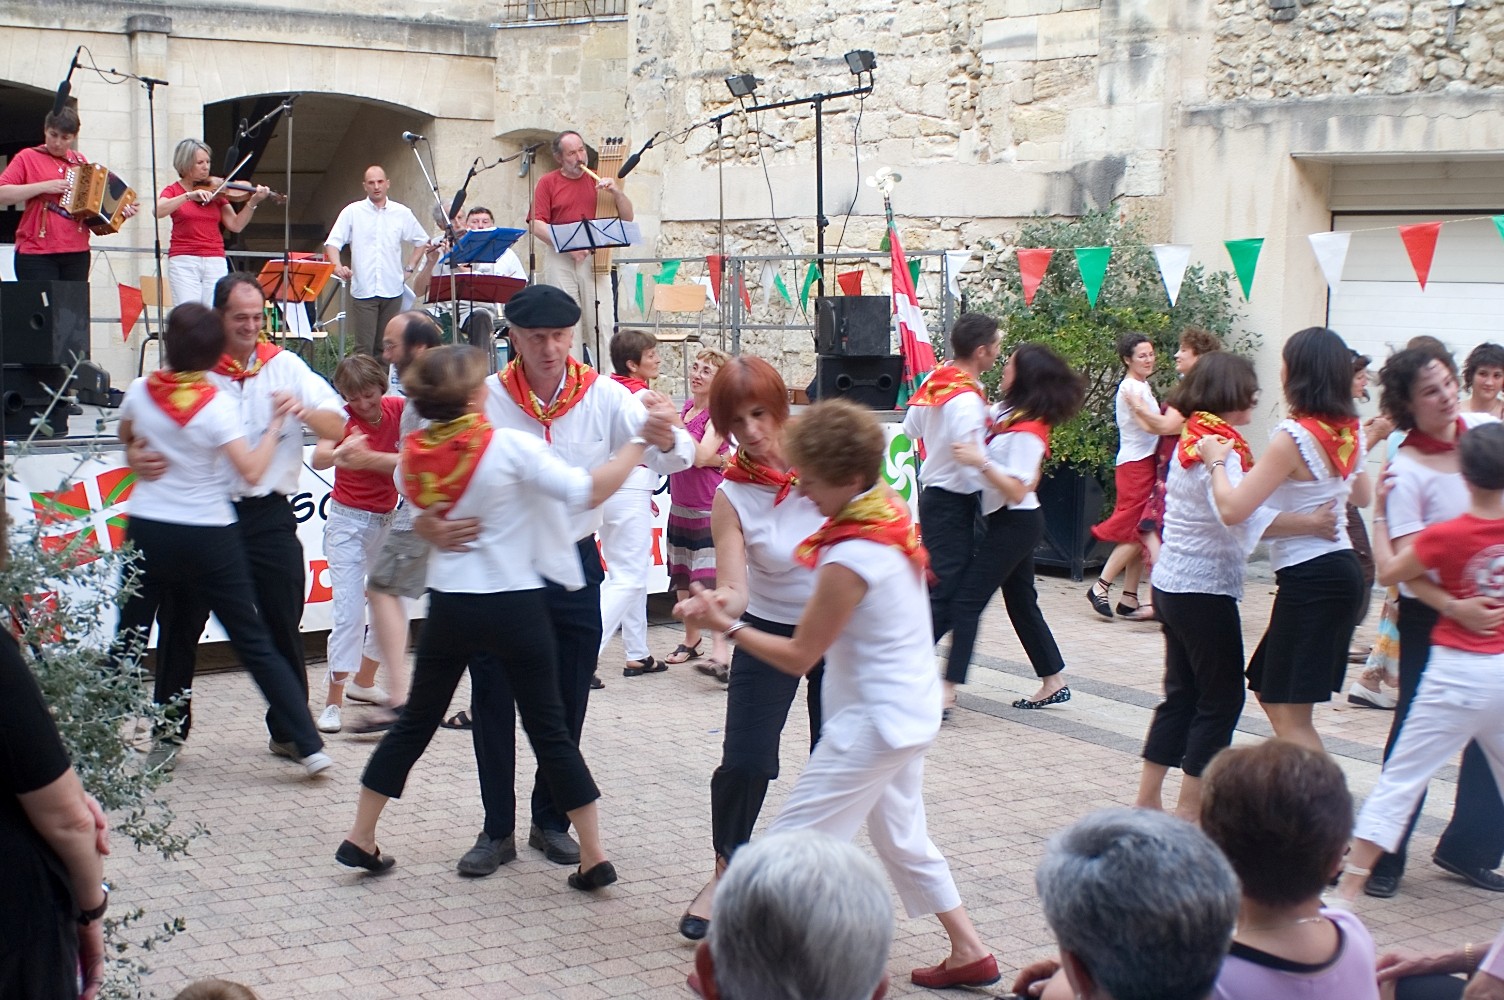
column 1072, row 502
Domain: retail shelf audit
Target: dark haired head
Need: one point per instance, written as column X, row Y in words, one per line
column 441, row 381
column 480, row 210
column 1426, row 342
column 1482, row 356
column 1481, row 451
column 743, row 380
column 630, row 345
column 419, row 330
column 1200, row 342
column 1128, row 343
column 1361, row 362
column 224, row 286
column 1220, row 383
column 64, row 119
column 1319, row 375
column 1282, row 814
column 194, row 338
column 1397, row 381
column 1044, row 386
column 970, row 332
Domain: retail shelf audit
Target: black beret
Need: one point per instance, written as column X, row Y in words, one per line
column 542, row 307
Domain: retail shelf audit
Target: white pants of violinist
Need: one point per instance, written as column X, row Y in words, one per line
column 192, row 279
column 869, row 781
column 578, row 279
column 627, row 548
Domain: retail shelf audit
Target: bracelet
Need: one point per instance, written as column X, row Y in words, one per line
column 1379, row 520
column 985, row 466
column 1219, row 463
column 734, row 628
column 1467, row 956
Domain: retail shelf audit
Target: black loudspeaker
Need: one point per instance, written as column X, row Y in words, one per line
column 871, row 382
column 24, row 396
column 854, row 325
column 44, row 322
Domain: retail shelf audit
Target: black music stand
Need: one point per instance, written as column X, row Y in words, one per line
column 594, row 234
column 477, row 246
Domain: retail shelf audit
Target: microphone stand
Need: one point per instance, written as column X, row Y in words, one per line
column 528, row 153
column 284, row 280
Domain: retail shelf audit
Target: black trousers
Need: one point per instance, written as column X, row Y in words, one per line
column 206, row 567
column 512, row 629
column 757, row 708
column 1203, row 680
column 1475, row 836
column 1004, row 559
column 269, row 537
column 574, row 618
column 952, row 528
column 53, row 266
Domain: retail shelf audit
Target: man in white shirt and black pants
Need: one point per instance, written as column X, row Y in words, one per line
column 251, row 375
column 585, row 419
column 374, row 228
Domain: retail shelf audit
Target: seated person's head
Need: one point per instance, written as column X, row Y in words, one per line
column 1283, row 816
column 798, row 916
column 194, row 338
column 1142, row 905
column 445, row 383
column 215, row 989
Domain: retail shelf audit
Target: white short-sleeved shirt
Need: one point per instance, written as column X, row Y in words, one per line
column 252, row 400
column 195, row 488
column 1134, row 442
column 1200, row 554
column 375, row 237
column 881, row 668
column 1303, row 496
column 1423, row 496
column 1017, row 454
column 778, row 588
column 524, row 496
column 960, row 418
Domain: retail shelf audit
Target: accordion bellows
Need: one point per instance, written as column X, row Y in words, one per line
column 97, row 198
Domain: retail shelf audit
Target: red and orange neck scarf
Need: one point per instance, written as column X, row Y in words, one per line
column 1201, row 424
column 743, row 468
column 1428, row 444
column 634, row 385
column 577, row 379
column 1019, row 422
column 1338, row 438
column 944, row 384
column 878, row 515
column 439, row 461
column 265, row 351
column 180, row 395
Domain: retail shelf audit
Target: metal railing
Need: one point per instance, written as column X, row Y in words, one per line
column 554, row 11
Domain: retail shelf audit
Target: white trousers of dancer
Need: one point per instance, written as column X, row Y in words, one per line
column 1460, row 698
column 351, row 540
column 627, row 547
column 871, row 782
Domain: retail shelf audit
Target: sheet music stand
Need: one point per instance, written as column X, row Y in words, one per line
column 481, row 246
column 594, row 234
column 304, row 280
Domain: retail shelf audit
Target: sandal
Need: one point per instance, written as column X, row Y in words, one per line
column 459, row 720
column 715, row 668
column 683, row 653
column 646, row 665
column 1099, row 600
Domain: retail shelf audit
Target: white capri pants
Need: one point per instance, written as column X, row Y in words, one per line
column 1460, row 698
column 872, row 782
column 192, row 279
column 351, row 540
column 627, row 547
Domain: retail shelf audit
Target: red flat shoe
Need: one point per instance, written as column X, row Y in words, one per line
column 982, row 972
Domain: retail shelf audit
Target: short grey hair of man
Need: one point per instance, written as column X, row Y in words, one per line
column 557, row 142
column 1144, row 900
column 182, row 156
column 800, row 916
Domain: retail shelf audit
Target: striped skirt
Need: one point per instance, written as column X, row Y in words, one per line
column 691, row 549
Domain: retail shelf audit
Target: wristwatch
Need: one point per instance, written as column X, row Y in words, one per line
column 87, row 917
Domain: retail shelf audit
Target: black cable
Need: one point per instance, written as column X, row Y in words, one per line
column 772, row 207
column 856, row 149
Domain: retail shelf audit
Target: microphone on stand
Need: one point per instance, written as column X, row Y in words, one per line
column 412, row 137
column 634, row 159
column 66, row 87
column 457, row 203
column 527, row 164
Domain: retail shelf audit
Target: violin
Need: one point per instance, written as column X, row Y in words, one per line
column 234, row 190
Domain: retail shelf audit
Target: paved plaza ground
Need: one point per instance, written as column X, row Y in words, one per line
column 267, row 905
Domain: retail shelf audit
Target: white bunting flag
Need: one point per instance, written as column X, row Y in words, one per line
column 709, row 284
column 1331, row 254
column 955, row 260
column 1172, row 259
column 766, row 281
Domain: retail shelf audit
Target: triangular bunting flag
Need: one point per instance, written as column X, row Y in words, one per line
column 715, row 262
column 810, row 277
column 712, row 292
column 746, row 298
column 1093, row 264
column 131, row 308
column 1172, row 259
column 765, row 279
column 667, row 272
column 955, row 260
column 851, row 282
column 782, row 289
column 1031, row 268
column 1420, row 244
column 1499, row 225
column 1245, row 260
column 914, row 273
column 642, row 303
column 1331, row 254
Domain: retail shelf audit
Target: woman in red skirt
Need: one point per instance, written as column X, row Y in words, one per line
column 1134, row 478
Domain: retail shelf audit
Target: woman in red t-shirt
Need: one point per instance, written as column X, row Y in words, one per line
column 196, row 254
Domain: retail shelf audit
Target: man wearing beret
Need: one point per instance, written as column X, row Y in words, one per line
column 585, row 419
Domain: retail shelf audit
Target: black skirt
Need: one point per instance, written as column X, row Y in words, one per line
column 1302, row 658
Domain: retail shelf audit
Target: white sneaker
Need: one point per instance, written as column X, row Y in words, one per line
column 315, row 763
column 329, row 721
column 1357, row 694
column 372, row 695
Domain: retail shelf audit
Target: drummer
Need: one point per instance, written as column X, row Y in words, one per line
column 476, row 319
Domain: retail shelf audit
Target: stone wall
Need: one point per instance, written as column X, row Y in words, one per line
column 1277, row 49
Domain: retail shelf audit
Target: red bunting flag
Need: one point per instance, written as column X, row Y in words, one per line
column 131, row 307
column 851, row 282
column 1420, row 244
column 715, row 262
column 746, row 297
column 1031, row 268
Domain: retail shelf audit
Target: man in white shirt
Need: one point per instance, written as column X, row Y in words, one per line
column 585, row 419
column 254, row 375
column 374, row 228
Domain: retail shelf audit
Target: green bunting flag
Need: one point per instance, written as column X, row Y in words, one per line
column 1245, row 259
column 914, row 273
column 667, row 273
column 809, row 280
column 783, row 290
column 1093, row 264
column 641, row 298
column 1499, row 223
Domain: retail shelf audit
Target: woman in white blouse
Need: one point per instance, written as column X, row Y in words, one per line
column 1040, row 391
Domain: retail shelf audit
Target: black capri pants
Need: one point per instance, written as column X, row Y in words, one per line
column 952, row 527
column 1203, row 680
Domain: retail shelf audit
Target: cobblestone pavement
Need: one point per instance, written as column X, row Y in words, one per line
column 267, row 905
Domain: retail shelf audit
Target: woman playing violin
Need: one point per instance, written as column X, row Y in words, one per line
column 196, row 254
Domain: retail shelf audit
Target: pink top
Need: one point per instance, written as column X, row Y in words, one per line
column 1250, row 974
column 695, row 487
